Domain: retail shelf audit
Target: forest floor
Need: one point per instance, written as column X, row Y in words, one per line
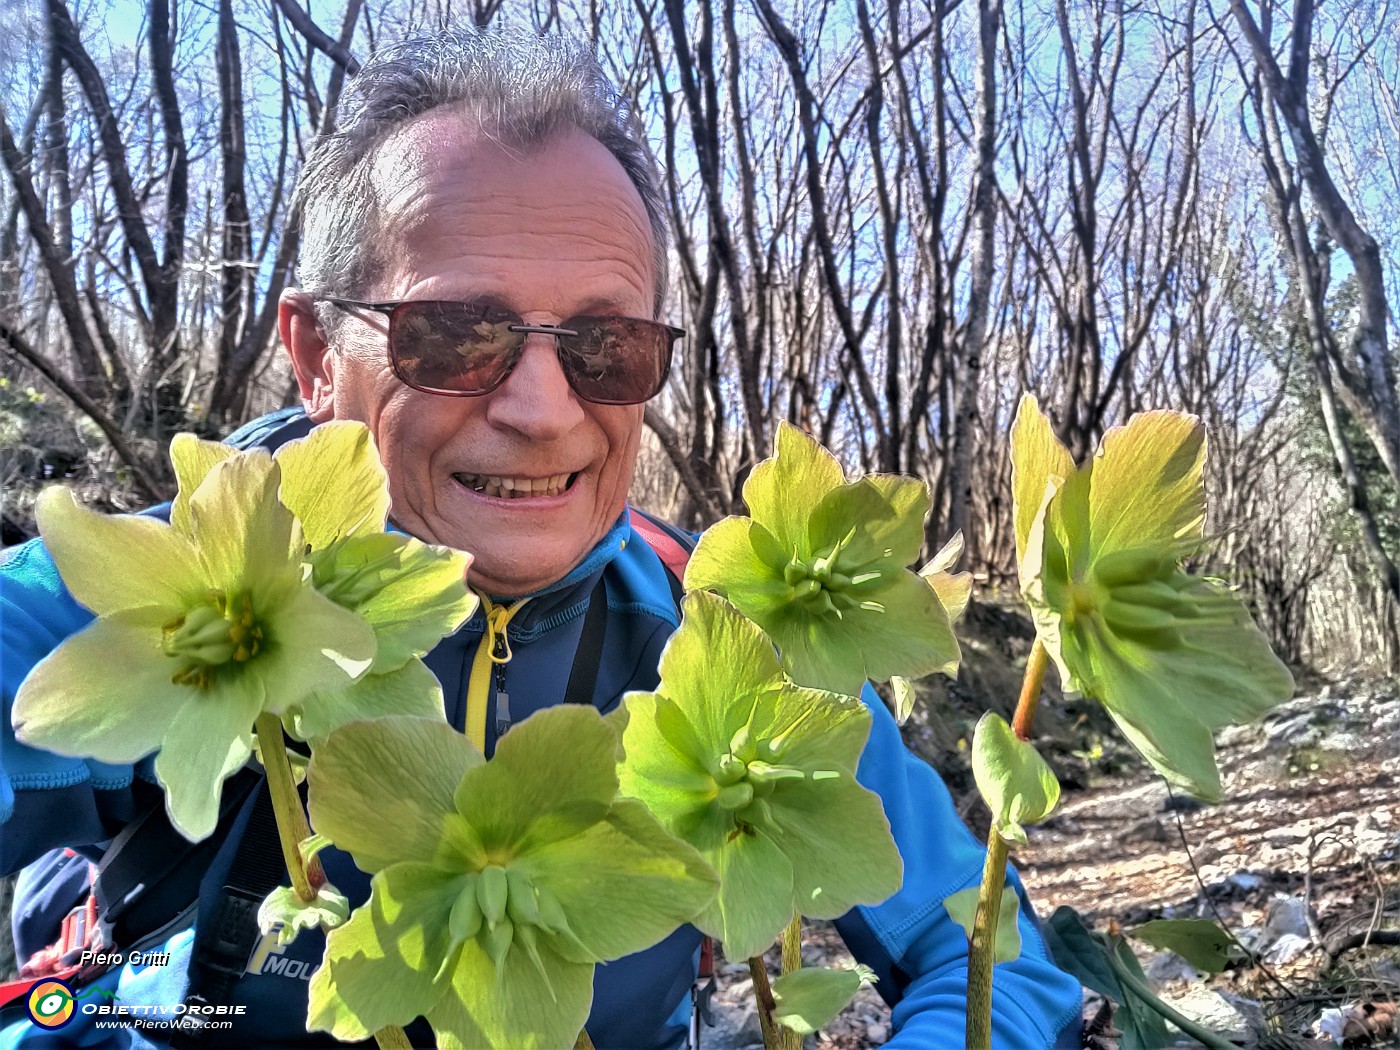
column 1304, row 851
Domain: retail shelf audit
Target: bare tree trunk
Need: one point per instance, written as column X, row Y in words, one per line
column 984, row 210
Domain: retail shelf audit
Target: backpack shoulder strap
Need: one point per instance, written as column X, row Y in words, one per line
column 672, row 545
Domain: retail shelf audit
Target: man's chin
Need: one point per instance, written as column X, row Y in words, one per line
column 513, row 577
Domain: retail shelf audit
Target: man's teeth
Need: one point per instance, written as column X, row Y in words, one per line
column 515, row 488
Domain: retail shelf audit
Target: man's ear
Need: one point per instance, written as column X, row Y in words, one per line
column 312, row 358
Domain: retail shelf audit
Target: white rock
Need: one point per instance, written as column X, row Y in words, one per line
column 1286, row 949
column 1212, row 1010
column 1286, row 915
column 1168, row 966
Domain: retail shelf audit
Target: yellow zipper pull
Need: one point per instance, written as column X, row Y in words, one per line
column 494, row 649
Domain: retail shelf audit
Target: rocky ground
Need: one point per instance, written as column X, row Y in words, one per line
column 1301, row 859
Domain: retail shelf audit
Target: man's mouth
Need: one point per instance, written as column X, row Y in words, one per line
column 516, row 488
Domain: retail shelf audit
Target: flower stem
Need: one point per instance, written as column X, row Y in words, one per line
column 792, row 960
column 1036, row 665
column 981, row 958
column 292, row 827
column 584, row 1041
column 763, row 997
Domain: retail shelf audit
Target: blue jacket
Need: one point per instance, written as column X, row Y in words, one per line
column 641, row 1002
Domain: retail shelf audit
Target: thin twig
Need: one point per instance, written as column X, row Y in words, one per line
column 1205, row 896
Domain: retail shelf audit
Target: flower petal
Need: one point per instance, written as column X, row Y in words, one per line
column 423, row 601
column 105, row 693
column 208, row 740
column 782, row 492
column 886, row 514
column 246, row 537
column 193, row 458
column 666, row 767
column 911, row 635
column 514, row 1007
column 1037, row 459
column 755, row 896
column 624, row 884
column 311, row 646
column 740, row 559
column 1147, row 487
column 412, row 691
column 111, row 562
column 382, row 790
column 552, row 776
column 716, row 653
column 823, row 824
column 333, row 482
column 380, row 966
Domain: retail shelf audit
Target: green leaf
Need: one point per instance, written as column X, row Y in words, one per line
column 333, row 482
column 383, row 791
column 1016, row 783
column 962, row 907
column 287, row 914
column 812, row 997
column 1200, row 942
column 1085, row 955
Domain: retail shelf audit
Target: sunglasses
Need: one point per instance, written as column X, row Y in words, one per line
column 468, row 349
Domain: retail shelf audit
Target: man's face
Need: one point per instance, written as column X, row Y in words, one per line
column 549, row 234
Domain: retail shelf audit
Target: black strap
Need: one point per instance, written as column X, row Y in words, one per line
column 222, row 945
column 150, row 874
column 588, row 657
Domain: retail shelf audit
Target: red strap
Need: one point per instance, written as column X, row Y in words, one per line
column 671, row 553
column 707, row 959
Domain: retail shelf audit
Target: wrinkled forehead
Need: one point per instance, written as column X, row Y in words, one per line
column 442, row 176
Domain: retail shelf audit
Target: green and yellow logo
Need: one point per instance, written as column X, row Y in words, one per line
column 50, row 1004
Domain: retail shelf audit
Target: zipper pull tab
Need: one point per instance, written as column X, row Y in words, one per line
column 502, row 714
column 502, row 699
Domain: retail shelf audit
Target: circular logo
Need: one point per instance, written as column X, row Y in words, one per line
column 50, row 1004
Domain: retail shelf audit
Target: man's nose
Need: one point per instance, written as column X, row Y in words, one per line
column 536, row 399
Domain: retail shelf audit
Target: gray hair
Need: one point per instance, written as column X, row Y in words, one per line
column 521, row 88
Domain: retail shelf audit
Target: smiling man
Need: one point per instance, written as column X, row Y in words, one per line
column 481, row 283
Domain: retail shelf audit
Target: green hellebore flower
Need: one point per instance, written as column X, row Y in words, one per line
column 1172, row 656
column 411, row 594
column 496, row 885
column 758, row 774
column 202, row 625
column 822, row 567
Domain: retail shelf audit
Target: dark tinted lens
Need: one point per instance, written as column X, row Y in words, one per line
column 462, row 348
column 615, row 360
